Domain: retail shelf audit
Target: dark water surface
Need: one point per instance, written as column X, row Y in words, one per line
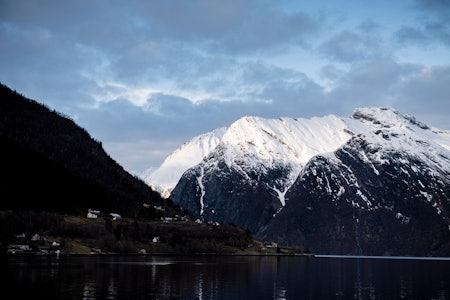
column 224, row 277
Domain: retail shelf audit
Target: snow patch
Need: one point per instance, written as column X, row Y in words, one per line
column 281, row 195
column 202, row 190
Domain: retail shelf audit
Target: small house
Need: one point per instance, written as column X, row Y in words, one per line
column 115, row 216
column 38, row 237
column 92, row 214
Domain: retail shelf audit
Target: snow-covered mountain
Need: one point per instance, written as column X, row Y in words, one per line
column 164, row 178
column 341, row 175
column 384, row 192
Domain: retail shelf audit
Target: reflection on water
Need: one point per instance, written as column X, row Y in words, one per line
column 225, row 277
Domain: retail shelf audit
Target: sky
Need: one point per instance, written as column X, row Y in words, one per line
column 143, row 77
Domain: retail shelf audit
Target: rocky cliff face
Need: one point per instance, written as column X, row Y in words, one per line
column 376, row 183
column 225, row 194
column 349, row 203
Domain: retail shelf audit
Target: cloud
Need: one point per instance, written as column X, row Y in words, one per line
column 93, row 23
column 174, row 47
column 252, row 89
column 425, row 94
column 374, row 82
column 428, row 91
column 169, row 106
column 431, row 32
column 350, row 46
column 440, row 7
column 268, row 31
column 411, row 35
column 282, row 91
column 433, row 25
column 193, row 20
column 229, row 27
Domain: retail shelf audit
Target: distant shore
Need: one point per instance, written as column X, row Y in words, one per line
column 37, row 254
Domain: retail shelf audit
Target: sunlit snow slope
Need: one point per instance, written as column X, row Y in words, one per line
column 254, row 143
column 164, row 179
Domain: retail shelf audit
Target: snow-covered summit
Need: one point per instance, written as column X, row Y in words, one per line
column 393, row 130
column 255, row 144
column 283, row 140
column 164, row 178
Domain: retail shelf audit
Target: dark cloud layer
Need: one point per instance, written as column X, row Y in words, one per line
column 433, row 24
column 348, row 46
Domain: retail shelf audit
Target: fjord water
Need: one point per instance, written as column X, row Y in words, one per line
column 225, row 277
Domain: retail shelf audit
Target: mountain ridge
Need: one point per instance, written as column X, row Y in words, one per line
column 254, row 172
column 302, row 151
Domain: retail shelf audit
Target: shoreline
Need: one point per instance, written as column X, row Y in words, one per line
column 36, row 254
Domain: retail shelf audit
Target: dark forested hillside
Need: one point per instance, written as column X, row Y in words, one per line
column 50, row 163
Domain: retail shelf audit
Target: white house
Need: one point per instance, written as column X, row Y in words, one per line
column 115, row 216
column 92, row 214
